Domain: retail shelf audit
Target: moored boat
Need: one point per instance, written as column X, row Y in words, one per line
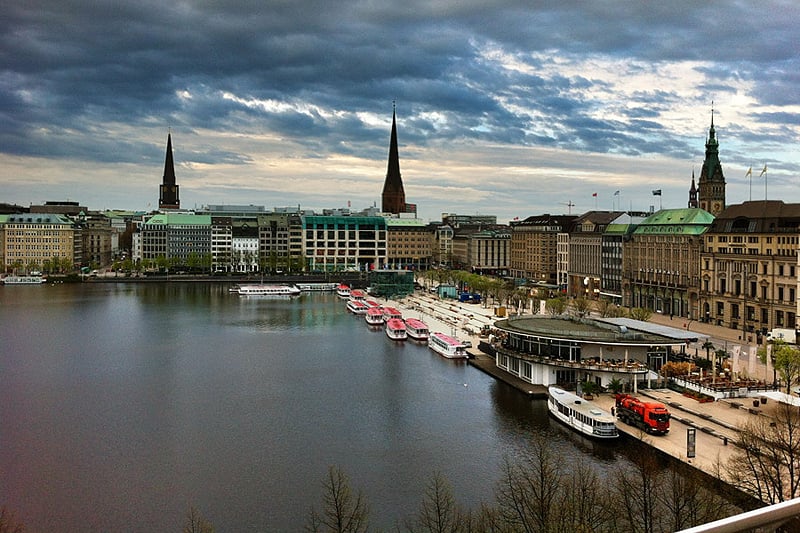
column 581, row 415
column 447, row 346
column 23, row 280
column 396, row 329
column 374, row 316
column 266, row 290
column 343, row 290
column 357, row 306
column 357, row 294
column 391, row 312
column 417, row 329
column 314, row 287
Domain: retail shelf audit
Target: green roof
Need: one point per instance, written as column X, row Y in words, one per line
column 686, row 221
column 180, row 219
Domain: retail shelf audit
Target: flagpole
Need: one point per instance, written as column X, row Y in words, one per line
column 749, row 174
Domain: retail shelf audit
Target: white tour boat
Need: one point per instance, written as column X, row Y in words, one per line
column 23, row 280
column 374, row 316
column 358, row 294
column 417, row 329
column 396, row 329
column 343, row 290
column 581, row 415
column 266, row 290
column 447, row 346
column 390, row 313
column 357, row 306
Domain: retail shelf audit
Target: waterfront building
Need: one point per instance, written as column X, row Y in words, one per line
column 280, row 242
column 443, row 245
column 222, row 244
column 391, row 283
column 393, row 198
column 49, row 242
column 246, row 253
column 584, row 264
column 617, row 233
column 711, row 186
column 564, row 351
column 178, row 238
column 409, row 243
column 339, row 243
column 168, row 197
column 482, row 249
column 661, row 262
column 749, row 268
column 534, row 246
column 96, row 239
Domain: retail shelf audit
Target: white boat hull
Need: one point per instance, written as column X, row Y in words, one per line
column 581, row 415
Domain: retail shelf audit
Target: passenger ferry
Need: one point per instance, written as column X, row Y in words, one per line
column 374, row 316
column 390, row 313
column 343, row 291
column 266, row 290
column 581, row 415
column 357, row 306
column 447, row 346
column 23, row 280
column 417, row 329
column 396, row 329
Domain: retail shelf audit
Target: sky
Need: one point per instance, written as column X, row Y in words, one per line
column 510, row 108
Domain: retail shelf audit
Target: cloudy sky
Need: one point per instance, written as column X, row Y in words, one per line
column 505, row 107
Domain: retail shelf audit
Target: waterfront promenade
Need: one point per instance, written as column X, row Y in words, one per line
column 715, row 423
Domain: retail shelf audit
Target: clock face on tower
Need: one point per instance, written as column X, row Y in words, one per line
column 717, row 207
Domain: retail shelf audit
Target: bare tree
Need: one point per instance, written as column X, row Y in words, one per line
column 438, row 512
column 767, row 460
column 8, row 522
column 196, row 523
column 635, row 492
column 529, row 489
column 684, row 500
column 343, row 511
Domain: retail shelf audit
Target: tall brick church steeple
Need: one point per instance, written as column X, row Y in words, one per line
column 711, row 185
column 393, row 199
column 168, row 192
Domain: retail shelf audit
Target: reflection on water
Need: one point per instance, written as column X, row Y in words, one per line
column 123, row 404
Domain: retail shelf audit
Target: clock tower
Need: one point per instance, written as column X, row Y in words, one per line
column 711, row 186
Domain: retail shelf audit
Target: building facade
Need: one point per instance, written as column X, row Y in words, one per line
column 749, row 268
column 661, row 262
column 409, row 243
column 341, row 243
column 585, row 253
column 534, row 246
column 47, row 242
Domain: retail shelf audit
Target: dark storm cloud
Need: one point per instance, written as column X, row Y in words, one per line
column 510, row 72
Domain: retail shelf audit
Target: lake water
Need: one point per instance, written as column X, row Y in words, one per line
column 123, row 404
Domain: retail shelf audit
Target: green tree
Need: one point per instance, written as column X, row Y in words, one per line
column 640, row 313
column 343, row 510
column 555, row 306
column 785, row 361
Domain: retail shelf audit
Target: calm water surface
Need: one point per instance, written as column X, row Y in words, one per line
column 123, row 404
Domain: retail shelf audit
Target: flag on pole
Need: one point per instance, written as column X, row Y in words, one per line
column 616, row 193
column 749, row 173
column 594, row 195
column 764, row 171
column 657, row 192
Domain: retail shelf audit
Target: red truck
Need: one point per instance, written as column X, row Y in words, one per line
column 652, row 417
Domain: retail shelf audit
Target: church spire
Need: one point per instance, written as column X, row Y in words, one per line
column 693, row 193
column 711, row 185
column 393, row 199
column 168, row 192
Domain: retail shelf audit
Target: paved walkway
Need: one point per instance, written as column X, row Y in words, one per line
column 715, row 423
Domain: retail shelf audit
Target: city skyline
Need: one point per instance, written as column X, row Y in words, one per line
column 503, row 109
